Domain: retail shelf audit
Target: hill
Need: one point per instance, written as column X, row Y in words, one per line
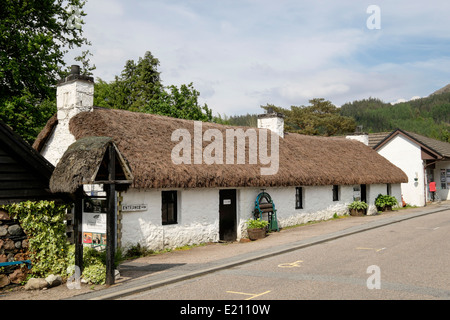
column 442, row 90
column 429, row 116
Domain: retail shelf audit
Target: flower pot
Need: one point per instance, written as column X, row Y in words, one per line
column 255, row 234
column 357, row 212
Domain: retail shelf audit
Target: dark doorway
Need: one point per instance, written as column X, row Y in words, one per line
column 363, row 193
column 227, row 215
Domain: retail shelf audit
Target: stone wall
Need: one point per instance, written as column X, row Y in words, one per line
column 13, row 247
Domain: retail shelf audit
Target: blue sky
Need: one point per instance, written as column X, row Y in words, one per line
column 241, row 54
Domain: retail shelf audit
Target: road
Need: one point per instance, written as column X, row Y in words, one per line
column 402, row 261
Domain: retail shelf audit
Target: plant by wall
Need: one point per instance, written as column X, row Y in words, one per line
column 50, row 252
column 383, row 201
column 256, row 223
column 43, row 222
column 94, row 263
column 358, row 205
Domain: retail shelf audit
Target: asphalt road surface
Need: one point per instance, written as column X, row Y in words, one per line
column 403, row 261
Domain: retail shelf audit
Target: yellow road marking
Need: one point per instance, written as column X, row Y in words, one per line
column 375, row 249
column 253, row 295
column 291, row 264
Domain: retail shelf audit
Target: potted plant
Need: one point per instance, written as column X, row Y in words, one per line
column 358, row 208
column 385, row 202
column 256, row 228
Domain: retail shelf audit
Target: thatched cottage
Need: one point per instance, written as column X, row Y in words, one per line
column 197, row 182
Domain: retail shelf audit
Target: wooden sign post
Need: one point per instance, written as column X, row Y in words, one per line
column 111, row 217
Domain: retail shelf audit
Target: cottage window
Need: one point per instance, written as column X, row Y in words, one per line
column 298, row 198
column 335, row 193
column 388, row 189
column 169, row 207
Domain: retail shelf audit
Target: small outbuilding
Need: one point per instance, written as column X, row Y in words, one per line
column 24, row 173
column 423, row 159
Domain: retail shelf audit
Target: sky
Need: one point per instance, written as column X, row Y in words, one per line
column 241, row 54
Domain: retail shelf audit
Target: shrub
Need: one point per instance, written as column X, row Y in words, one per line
column 43, row 223
column 358, row 205
column 383, row 201
column 256, row 223
column 50, row 252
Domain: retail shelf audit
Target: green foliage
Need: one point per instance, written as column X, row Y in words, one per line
column 94, row 263
column 248, row 120
column 428, row 116
column 43, row 222
column 34, row 37
column 319, row 118
column 94, row 266
column 25, row 115
column 358, row 205
column 256, row 223
column 50, row 252
column 383, row 201
column 139, row 88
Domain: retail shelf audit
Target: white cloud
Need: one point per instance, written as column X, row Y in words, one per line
column 246, row 53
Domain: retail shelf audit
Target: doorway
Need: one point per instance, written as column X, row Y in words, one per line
column 364, row 193
column 227, row 215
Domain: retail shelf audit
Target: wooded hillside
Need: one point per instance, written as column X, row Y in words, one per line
column 428, row 116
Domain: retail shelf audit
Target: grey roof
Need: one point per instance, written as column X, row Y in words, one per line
column 440, row 147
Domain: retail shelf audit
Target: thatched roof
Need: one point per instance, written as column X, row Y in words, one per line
column 145, row 141
column 83, row 163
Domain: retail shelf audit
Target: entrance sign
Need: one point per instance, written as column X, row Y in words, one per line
column 134, row 207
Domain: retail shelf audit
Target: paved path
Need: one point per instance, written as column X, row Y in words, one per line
column 154, row 271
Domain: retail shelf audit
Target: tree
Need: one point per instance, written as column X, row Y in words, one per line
column 34, row 37
column 320, row 118
column 139, row 88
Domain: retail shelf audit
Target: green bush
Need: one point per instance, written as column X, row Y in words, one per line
column 358, row 205
column 383, row 201
column 256, row 223
column 50, row 252
column 43, row 223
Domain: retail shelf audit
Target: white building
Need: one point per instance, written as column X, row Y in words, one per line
column 197, row 182
column 423, row 160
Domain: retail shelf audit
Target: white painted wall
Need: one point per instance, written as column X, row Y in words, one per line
column 406, row 155
column 198, row 219
column 198, row 212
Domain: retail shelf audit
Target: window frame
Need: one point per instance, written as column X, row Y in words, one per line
column 335, row 191
column 299, row 199
column 165, row 219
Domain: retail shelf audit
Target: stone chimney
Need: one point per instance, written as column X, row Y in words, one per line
column 273, row 121
column 74, row 94
column 359, row 135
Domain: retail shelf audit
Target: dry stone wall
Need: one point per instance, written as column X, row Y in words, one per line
column 13, row 247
